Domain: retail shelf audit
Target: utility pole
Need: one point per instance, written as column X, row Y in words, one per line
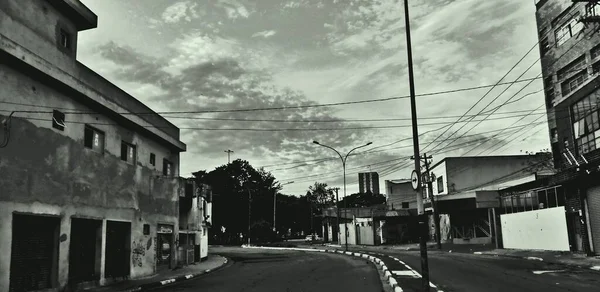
column 436, row 215
column 415, row 132
column 228, row 155
column 249, row 213
column 337, row 213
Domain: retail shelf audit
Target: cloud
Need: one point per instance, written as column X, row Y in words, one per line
column 265, row 34
column 177, row 12
column 214, row 81
column 234, row 9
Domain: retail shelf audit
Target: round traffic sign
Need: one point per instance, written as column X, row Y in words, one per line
column 415, row 180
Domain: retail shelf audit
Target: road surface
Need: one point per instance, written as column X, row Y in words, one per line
column 468, row 272
column 283, row 271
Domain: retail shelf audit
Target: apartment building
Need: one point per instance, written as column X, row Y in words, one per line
column 570, row 60
column 368, row 182
column 89, row 190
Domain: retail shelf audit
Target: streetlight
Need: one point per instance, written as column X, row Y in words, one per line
column 344, row 167
column 275, row 205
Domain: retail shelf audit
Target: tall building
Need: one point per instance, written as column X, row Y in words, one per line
column 570, row 59
column 368, row 181
column 91, row 193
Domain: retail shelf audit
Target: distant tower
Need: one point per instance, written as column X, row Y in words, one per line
column 368, row 181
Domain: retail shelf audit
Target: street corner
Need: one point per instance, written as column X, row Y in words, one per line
column 399, row 275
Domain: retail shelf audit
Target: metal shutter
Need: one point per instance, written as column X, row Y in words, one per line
column 32, row 256
column 593, row 198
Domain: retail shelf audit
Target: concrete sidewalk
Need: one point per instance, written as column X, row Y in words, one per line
column 564, row 258
column 214, row 262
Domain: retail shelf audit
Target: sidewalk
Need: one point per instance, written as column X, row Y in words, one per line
column 564, row 258
column 214, row 262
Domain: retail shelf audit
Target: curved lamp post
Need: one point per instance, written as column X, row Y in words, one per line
column 344, row 158
column 275, row 206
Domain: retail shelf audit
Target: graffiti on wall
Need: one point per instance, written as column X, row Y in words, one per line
column 137, row 253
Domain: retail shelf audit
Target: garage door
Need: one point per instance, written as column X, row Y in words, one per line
column 593, row 198
column 34, row 252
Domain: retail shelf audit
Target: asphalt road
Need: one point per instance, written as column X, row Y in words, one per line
column 469, row 272
column 285, row 271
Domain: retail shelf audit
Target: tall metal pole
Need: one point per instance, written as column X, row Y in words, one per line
column 415, row 130
column 337, row 212
column 436, row 215
column 274, row 210
column 344, row 159
column 249, row 213
column 345, row 205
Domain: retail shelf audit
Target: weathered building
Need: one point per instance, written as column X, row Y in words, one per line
column 89, row 175
column 570, row 59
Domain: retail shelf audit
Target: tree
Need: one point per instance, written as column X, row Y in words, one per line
column 359, row 200
column 233, row 184
column 320, row 196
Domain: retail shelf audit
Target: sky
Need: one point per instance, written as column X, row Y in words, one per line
column 282, row 62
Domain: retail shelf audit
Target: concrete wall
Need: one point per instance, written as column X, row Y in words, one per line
column 397, row 193
column 468, row 173
column 351, row 233
column 440, row 170
column 544, row 229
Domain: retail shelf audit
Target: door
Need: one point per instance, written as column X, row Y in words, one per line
column 593, row 202
column 118, row 247
column 84, row 250
column 164, row 246
column 34, row 253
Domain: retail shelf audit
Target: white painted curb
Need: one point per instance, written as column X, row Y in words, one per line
column 387, row 274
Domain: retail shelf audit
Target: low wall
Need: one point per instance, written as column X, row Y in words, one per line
column 544, row 229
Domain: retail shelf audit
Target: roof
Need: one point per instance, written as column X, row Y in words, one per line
column 399, row 181
column 479, row 158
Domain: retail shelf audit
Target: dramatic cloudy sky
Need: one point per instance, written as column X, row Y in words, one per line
column 220, row 55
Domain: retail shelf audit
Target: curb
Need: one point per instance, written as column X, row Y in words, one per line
column 376, row 261
column 178, row 279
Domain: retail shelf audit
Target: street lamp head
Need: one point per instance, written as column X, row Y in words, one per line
column 315, row 142
column 369, row 143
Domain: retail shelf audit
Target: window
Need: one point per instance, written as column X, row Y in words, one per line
column 65, row 39
column 167, row 168
column 146, row 229
column 405, row 205
column 568, row 30
column 544, row 46
column 93, row 139
column 128, row 152
column 573, row 67
column 550, row 97
column 596, row 68
column 586, row 125
column 152, row 159
column 553, row 135
column 573, row 83
column 58, row 120
column 595, row 52
column 440, row 184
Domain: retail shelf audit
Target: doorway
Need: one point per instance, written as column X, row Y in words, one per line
column 34, row 255
column 164, row 246
column 84, row 250
column 118, row 246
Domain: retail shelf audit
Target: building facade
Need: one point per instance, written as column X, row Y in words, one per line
column 90, row 192
column 570, row 59
column 368, row 182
